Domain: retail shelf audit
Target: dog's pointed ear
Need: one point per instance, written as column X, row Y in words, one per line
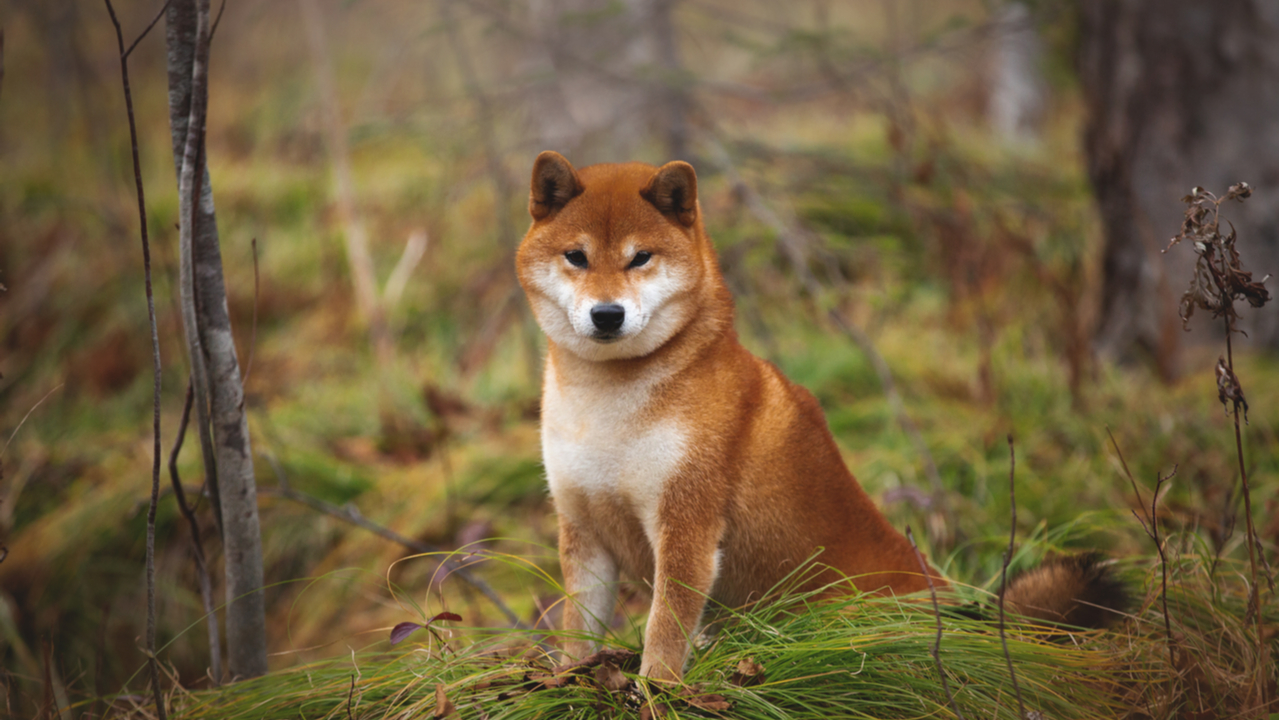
column 674, row 191
column 554, row 184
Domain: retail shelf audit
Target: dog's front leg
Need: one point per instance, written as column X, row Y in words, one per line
column 686, row 569
column 590, row 581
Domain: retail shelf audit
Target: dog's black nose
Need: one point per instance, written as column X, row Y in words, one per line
column 608, row 318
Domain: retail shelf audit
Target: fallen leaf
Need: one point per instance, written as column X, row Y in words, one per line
column 708, row 701
column 652, row 710
column 444, row 707
column 609, row 677
column 549, row 681
column 620, row 658
column 749, row 672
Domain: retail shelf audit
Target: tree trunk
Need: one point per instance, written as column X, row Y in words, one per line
column 1015, row 106
column 1179, row 93
column 215, row 369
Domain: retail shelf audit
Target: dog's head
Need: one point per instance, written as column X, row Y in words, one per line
column 616, row 255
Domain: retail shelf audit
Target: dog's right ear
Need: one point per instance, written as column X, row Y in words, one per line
column 554, row 184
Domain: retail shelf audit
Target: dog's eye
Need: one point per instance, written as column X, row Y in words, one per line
column 576, row 258
column 640, row 259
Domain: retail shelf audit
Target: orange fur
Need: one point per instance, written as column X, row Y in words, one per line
column 720, row 476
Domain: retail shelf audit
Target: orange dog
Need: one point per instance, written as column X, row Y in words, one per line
column 672, row 453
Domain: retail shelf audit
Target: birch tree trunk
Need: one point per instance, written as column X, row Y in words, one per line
column 215, row 369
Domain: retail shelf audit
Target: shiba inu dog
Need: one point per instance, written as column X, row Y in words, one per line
column 673, row 455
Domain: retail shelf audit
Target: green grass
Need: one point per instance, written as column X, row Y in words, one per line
column 859, row 657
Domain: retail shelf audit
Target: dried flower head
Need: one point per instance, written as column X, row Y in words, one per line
column 1218, row 280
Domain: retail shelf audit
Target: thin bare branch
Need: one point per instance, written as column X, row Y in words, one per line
column 197, row 547
column 1133, row 483
column 1004, row 579
column 937, row 642
column 351, row 693
column 155, row 360
column 1152, row 527
column 22, row 422
column 154, row 20
column 350, row 514
column 217, row 20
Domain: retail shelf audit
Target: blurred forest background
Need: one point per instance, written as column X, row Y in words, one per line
column 944, row 218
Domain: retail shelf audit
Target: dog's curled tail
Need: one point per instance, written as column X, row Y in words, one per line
column 1078, row 590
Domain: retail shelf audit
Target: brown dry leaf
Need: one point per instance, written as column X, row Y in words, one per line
column 1239, row 191
column 705, row 701
column 1229, row 388
column 620, row 658
column 444, row 706
column 609, row 677
column 652, row 710
column 749, row 672
column 549, row 681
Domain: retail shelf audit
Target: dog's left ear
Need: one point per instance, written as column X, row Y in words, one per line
column 674, row 191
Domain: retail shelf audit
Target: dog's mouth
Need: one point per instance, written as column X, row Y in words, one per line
column 605, row 338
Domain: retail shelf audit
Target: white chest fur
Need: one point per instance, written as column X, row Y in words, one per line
column 598, row 441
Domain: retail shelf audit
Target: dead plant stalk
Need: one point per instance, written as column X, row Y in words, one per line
column 1217, row 282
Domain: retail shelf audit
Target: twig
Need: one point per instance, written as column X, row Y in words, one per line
column 155, row 359
column 1004, row 580
column 202, row 567
column 1152, row 527
column 937, row 642
column 353, row 516
column 125, row 55
column 22, row 422
column 350, row 693
column 217, row 20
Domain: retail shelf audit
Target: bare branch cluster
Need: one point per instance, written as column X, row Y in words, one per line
column 1151, row 526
